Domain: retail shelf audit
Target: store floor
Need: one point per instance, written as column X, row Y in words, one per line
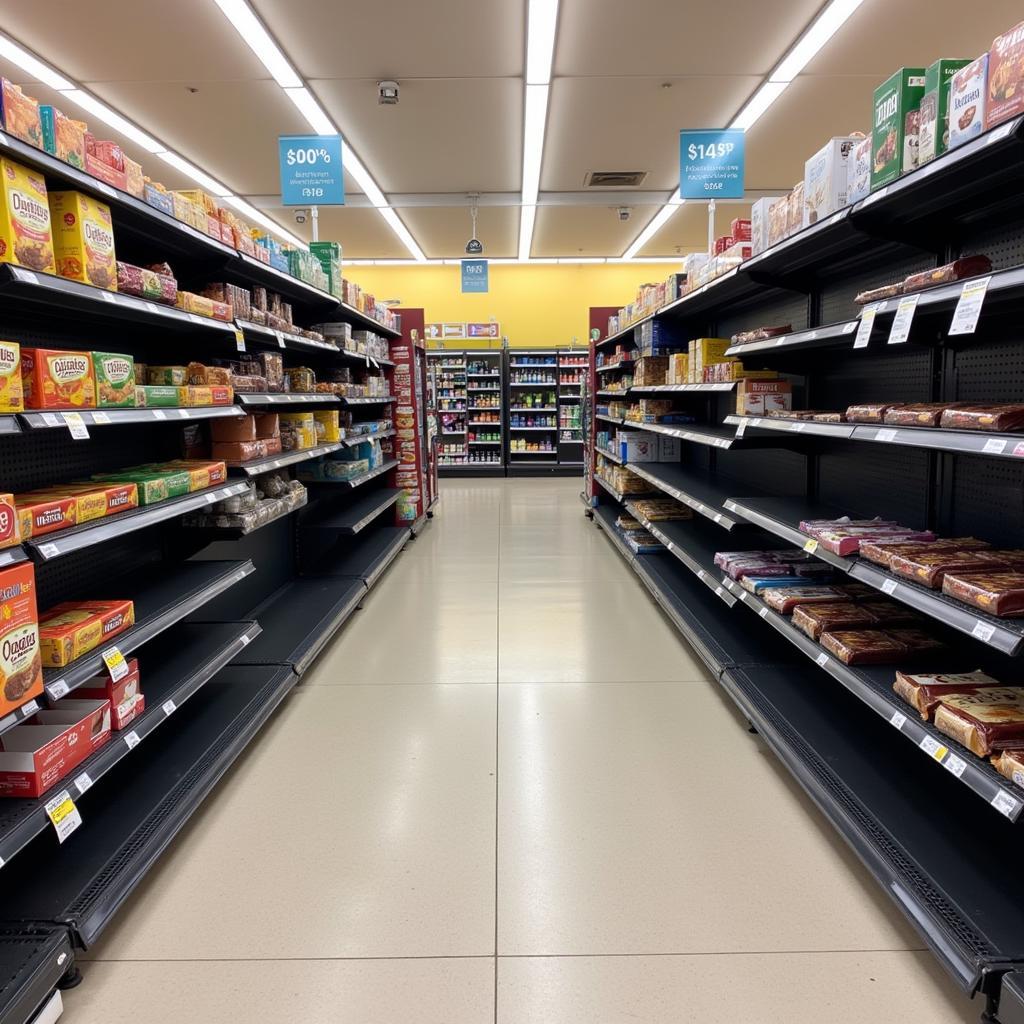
column 508, row 792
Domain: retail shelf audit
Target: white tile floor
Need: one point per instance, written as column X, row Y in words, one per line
column 480, row 807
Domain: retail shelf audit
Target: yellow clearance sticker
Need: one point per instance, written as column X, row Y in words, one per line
column 114, row 660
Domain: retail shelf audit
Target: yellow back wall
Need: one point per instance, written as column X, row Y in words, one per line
column 535, row 305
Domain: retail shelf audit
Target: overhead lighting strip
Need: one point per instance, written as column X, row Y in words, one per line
column 832, row 18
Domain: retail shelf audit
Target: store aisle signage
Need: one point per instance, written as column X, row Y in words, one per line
column 711, row 164
column 488, row 330
column 474, row 275
column 311, row 170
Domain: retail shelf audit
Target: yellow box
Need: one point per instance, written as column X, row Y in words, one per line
column 678, row 368
column 327, row 426
column 83, row 239
column 25, row 236
column 12, row 394
column 704, row 351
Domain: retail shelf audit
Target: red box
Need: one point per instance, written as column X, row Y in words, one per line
column 723, row 243
column 125, row 695
column 111, row 175
column 740, row 230
column 36, row 755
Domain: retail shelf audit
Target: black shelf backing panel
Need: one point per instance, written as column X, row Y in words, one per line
column 838, row 290
column 173, row 668
column 987, row 500
column 33, row 959
column 783, row 308
column 366, row 558
column 128, row 823
column 768, row 470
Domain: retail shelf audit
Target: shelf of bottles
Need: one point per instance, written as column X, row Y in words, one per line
column 484, row 432
column 572, row 372
column 533, row 405
column 450, row 388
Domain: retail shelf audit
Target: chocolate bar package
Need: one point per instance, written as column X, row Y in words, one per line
column 871, row 412
column 761, row 334
column 1010, row 763
column 815, row 526
column 929, row 568
column 923, row 691
column 984, row 721
column 785, row 599
column 918, row 414
column 756, row 584
column 966, row 266
column 997, row 592
column 882, row 551
column 984, row 417
column 815, row 619
column 847, row 541
column 863, row 646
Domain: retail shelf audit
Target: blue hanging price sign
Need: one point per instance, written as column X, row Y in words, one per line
column 711, row 164
column 474, row 275
column 311, row 170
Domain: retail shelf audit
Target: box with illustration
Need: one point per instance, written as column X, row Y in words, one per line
column 894, row 136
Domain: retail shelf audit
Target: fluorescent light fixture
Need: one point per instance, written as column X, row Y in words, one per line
column 311, row 111
column 540, row 40
column 534, row 122
column 32, row 65
column 758, row 104
column 403, row 233
column 527, row 215
column 251, row 213
column 656, row 223
column 251, row 29
column 825, row 26
column 112, row 119
column 191, row 171
column 363, row 178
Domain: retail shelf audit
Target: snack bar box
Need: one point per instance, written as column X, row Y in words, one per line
column 36, row 755
column 827, row 179
column 20, row 659
column 968, row 97
column 894, row 133
column 124, row 694
column 759, row 397
column 933, row 140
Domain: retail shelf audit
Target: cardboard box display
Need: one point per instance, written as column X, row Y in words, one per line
column 12, row 394
column 298, row 430
column 134, row 179
column 202, row 473
column 63, row 137
column 670, row 449
column 759, row 216
column 740, row 229
column 115, row 380
column 933, row 138
column 968, row 99
column 73, row 628
column 795, row 209
column 153, row 486
column 705, row 351
column 1005, row 77
column 239, row 451
column 37, row 754
column 57, row 379
column 267, row 424
column 827, row 179
column 159, row 198
column 166, row 376
column 759, row 397
column 328, row 426
column 778, row 220
column 231, row 430
column 98, row 168
column 859, row 169
column 95, row 500
column 26, row 239
column 83, row 239
column 637, row 446
column 894, row 138
column 20, row 114
column 650, row 370
column 124, row 694
column 156, row 396
column 21, row 666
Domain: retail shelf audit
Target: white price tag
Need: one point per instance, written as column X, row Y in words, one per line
column 154, row 308
column 169, row 707
column 933, row 747
column 885, row 435
column 955, row 765
column 131, row 739
column 183, row 414
column 280, row 339
column 159, row 414
column 983, row 631
column 114, row 660
column 994, row 446
column 239, row 340
column 1006, row 804
column 29, row 709
column 61, row 810
column 850, row 327
column 1000, row 133
column 821, row 659
column 755, row 421
column 244, row 638
column 58, row 689
column 898, row 720
column 763, row 613
column 26, row 275
column 211, row 498
column 717, row 517
column 741, row 429
column 889, row 587
column 798, row 427
column 76, row 425
column 51, row 419
column 100, row 417
column 701, row 575
column 49, row 550
column 109, row 297
column 864, row 329
column 101, row 186
column 83, row 782
column 903, row 319
column 968, row 308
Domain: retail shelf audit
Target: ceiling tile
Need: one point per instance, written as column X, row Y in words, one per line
column 442, row 231
column 370, row 39
column 631, row 124
column 687, row 230
column 586, row 230
column 445, row 135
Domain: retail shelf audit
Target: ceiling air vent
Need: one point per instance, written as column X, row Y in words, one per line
column 614, row 179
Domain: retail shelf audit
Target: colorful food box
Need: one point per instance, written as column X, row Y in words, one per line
column 827, row 179
column 10, row 531
column 159, row 198
column 894, row 135
column 63, row 137
column 760, row 397
column 69, row 630
column 328, row 426
column 115, row 380
column 38, row 514
column 12, row 397
column 25, row 236
column 167, row 376
column 21, row 667
column 1005, row 77
column 157, row 396
column 57, row 379
column 152, row 485
column 83, row 239
column 759, row 221
column 968, row 96
column 859, row 169
column 933, row 139
column 20, row 114
column 124, row 694
column 134, row 179
column 96, row 500
column 202, row 473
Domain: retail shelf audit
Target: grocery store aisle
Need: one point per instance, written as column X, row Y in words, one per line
column 508, row 792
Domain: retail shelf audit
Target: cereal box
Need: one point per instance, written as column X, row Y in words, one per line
column 1005, row 77
column 894, row 133
column 933, row 139
column 57, row 379
column 11, row 391
column 115, row 380
column 25, row 237
column 20, row 114
column 968, row 96
column 827, row 179
column 69, row 630
column 21, row 667
column 63, row 137
column 83, row 239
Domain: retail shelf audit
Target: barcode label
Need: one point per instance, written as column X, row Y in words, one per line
column 898, row 720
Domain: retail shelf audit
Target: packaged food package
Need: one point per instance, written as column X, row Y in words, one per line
column 63, row 137
column 989, row 719
column 862, row 647
column 69, row 630
column 815, row 619
column 300, row 378
column 37, row 754
column 272, row 368
column 156, row 396
column 12, row 394
column 968, row 99
column 814, row 527
column 761, row 334
column 881, row 551
column 868, row 412
column 134, row 179
column 966, row 266
column 997, row 592
column 239, row 451
column 778, row 221
column 57, row 379
column 203, row 473
column 124, row 694
column 760, row 397
column 20, row 114
column 115, row 380
column 923, row 691
column 21, row 667
column 298, row 430
column 826, row 179
column 83, row 239
column 328, row 428
column 661, row 510
column 894, row 137
column 1010, row 763
column 933, row 140
column 650, row 370
column 929, row 568
column 26, row 239
column 153, row 486
column 94, row 500
column 795, row 209
column 268, row 424
column 918, row 414
column 761, row 582
column 858, row 167
column 847, row 540
column 785, row 599
column 233, row 429
column 999, row 418
column 1005, row 77
column 158, row 197
column 759, row 223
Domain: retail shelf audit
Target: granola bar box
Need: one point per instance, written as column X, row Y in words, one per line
column 57, row 379
column 21, row 666
column 1005, row 77
column 83, row 239
column 894, row 135
column 25, row 236
column 115, row 380
column 933, row 139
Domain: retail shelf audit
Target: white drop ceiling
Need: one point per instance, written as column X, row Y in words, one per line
column 626, row 79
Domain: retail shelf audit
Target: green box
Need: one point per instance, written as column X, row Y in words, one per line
column 893, row 134
column 934, row 138
column 154, row 484
column 115, row 380
column 157, row 396
column 326, row 251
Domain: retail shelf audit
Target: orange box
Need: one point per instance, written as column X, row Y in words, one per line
column 57, row 379
column 21, row 666
column 10, row 533
column 40, row 513
column 135, row 181
column 83, row 239
column 97, row 500
column 12, row 397
column 20, row 114
column 69, row 630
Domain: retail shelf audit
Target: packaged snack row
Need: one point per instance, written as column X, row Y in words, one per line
column 662, row 510
column 267, row 498
column 999, row 417
column 347, row 463
column 957, row 270
column 844, row 536
column 622, row 479
column 636, row 535
column 649, row 299
column 74, row 628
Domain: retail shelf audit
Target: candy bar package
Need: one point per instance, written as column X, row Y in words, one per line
column 828, row 617
column 784, row 600
column 887, row 291
column 828, row 417
column 919, row 414
column 816, row 526
column 1010, row 763
column 929, row 568
column 873, row 412
column 984, row 417
column 966, row 266
column 724, row 559
column 998, row 592
column 882, row 551
column 924, row 691
column 738, row 569
column 761, row 584
column 761, row 334
column 820, row 571
column 847, row 540
column 863, row 647
column 984, row 721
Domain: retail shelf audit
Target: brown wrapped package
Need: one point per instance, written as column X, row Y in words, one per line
column 988, row 720
column 1000, row 593
column 877, row 294
column 966, row 266
column 930, row 567
column 984, row 417
column 918, row 414
column 821, row 618
column 1010, row 763
column 877, row 646
column 881, row 551
column 923, row 692
column 872, row 412
column 785, row 599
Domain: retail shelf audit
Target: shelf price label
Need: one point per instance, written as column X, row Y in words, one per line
column 114, row 660
column 810, row 546
column 968, row 307
column 867, row 325
column 898, row 720
column 63, row 814
column 903, row 319
column 933, row 747
column 239, row 339
column 889, row 587
column 1006, row 804
column 83, row 782
column 955, row 765
column 76, row 425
